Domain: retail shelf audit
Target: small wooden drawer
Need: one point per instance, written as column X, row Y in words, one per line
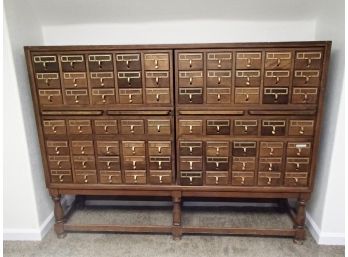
column 298, row 149
column 190, row 61
column 245, row 127
column 161, row 148
column 47, row 80
column 128, row 61
column 157, row 95
column 161, row 177
column 73, row 62
column 100, row 62
column 57, row 147
column 160, row 162
column 190, row 95
column 129, row 79
column 45, row 63
column 272, row 95
column 54, row 127
column 50, row 97
column 156, row 61
column 86, row 177
column 247, row 95
column 133, row 148
column 190, row 163
column 308, row 60
column 270, row 164
column 217, row 163
column 273, row 127
column 132, row 127
column 277, row 78
column 190, row 127
column 157, row 79
column 131, row 96
column 216, row 178
column 218, row 95
column 84, row 162
column 135, row 177
column 110, row 177
column 191, row 178
column 306, row 78
column 103, row 96
column 243, row 178
column 80, row 127
column 190, row 148
column 82, row 147
column 158, row 127
column 218, row 127
column 243, row 163
column 108, row 147
column 296, row 179
column 217, row 148
column 269, row 179
column 190, row 78
column 105, row 127
column 304, row 95
column 219, row 60
column 219, row 78
column 75, row 79
column 248, row 60
column 108, row 163
column 248, row 78
column 61, row 176
column 301, row 128
column 278, row 60
column 244, row 148
column 297, row 164
column 102, row 79
column 76, row 96
column 271, row 149
column 59, row 162
column 134, row 162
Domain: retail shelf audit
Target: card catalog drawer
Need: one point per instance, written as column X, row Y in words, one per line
column 47, row 80
column 306, row 78
column 304, row 95
column 135, row 148
column 110, row 177
column 301, row 127
column 157, row 79
column 158, row 127
column 156, row 61
column 219, row 60
column 191, row 178
column 76, row 96
column 278, row 60
column 82, row 147
column 245, row 127
column 308, row 60
column 217, row 163
column 217, row 148
column 297, row 164
column 160, row 148
column 100, row 62
column 190, row 163
column 102, row 79
column 243, row 163
column 216, row 78
column 190, row 78
column 74, row 79
column 160, row 177
column 129, row 79
column 247, row 95
column 50, row 97
column 248, row 78
column 131, row 96
column 61, row 176
column 190, row 127
column 296, row 179
column 190, row 95
column 244, row 149
column 160, row 163
column 45, row 63
column 135, row 177
column 218, row 95
column 299, row 149
column 277, row 78
column 194, row 148
column 134, row 162
column 59, row 162
column 80, row 127
column 242, row 178
column 218, row 127
column 273, row 127
column 54, row 127
column 109, row 163
column 248, row 60
column 108, row 147
column 271, row 149
column 190, row 61
column 73, row 62
column 84, row 162
column 157, row 95
column 128, row 61
column 216, row 178
column 105, row 127
column 57, row 147
column 270, row 164
column 269, row 179
column 103, row 96
column 132, row 127
column 275, row 95
column 86, row 177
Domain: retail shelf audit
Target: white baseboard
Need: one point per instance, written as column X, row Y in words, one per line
column 323, row 238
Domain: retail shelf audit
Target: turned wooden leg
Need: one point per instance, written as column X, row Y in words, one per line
column 59, row 216
column 300, row 219
column 176, row 229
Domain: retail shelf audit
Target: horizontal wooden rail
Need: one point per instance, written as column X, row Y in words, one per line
column 72, row 113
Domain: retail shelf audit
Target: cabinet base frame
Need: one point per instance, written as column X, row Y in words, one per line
column 177, row 229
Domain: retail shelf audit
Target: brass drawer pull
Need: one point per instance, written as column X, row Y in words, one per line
column 86, row 178
column 160, row 179
column 61, row 178
column 270, row 168
column 110, row 179
column 57, row 150
column 108, row 164
column 130, row 98
column 79, row 129
column 217, row 179
column 301, row 132
column 82, row 150
column 84, row 164
column 191, row 165
column 217, row 150
column 159, row 149
column 134, row 165
column 106, row 128
column 269, row 180
column 133, row 150
column 159, row 165
column 243, row 181
column 132, row 129
column 243, row 166
column 271, row 150
column 135, row 177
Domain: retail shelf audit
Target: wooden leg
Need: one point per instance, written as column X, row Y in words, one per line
column 300, row 221
column 59, row 216
column 176, row 229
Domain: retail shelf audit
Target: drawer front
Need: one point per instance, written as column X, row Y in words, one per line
column 54, row 127
column 248, row 60
column 217, row 163
column 296, row 179
column 76, row 96
column 190, row 95
column 216, row 78
column 218, row 127
column 86, row 177
column 157, row 95
column 245, row 127
column 79, row 127
column 304, row 95
column 133, row 148
column 270, row 164
column 156, row 61
column 108, row 147
column 271, row 149
column 243, row 178
column 273, row 127
column 298, row 149
column 50, row 97
column 190, row 78
column 102, row 79
column 134, row 163
column 84, row 162
column 277, row 78
column 297, row 164
column 243, row 163
column 278, row 60
column 105, row 127
column 269, row 179
column 160, row 163
column 47, row 80
column 55, row 147
column 132, row 127
column 308, row 60
column 219, row 60
column 128, row 61
column 244, row 148
column 190, row 148
column 191, row 178
column 159, row 127
column 247, row 95
column 190, row 127
column 74, row 79
column 301, row 127
column 190, row 61
column 135, row 177
column 82, row 147
column 130, row 96
column 217, row 148
column 73, row 62
column 129, row 79
column 157, row 79
column 306, row 78
column 100, row 62
column 190, row 163
column 216, row 178
column 45, row 63
column 61, row 176
column 59, row 162
column 161, row 148
column 275, row 95
column 108, row 163
column 162, row 177
column 248, row 78
column 218, row 95
column 103, row 96
column 110, row 177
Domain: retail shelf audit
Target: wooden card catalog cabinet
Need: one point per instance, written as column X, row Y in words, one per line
column 234, row 120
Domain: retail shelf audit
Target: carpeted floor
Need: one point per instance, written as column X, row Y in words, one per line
column 132, row 245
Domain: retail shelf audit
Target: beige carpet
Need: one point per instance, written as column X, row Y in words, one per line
column 149, row 245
